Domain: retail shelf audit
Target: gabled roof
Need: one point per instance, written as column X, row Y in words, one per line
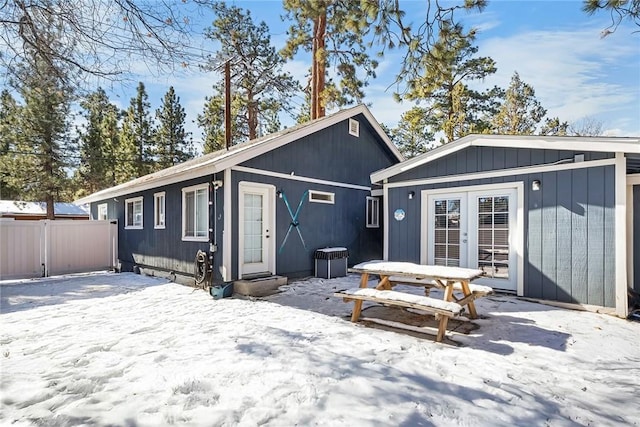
column 13, row 207
column 575, row 143
column 224, row 159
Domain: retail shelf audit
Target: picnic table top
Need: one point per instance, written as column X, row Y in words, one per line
column 410, row 269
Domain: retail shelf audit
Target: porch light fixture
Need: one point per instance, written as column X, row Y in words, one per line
column 279, row 194
column 535, row 185
column 411, row 194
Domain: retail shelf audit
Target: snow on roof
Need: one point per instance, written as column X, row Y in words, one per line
column 16, row 207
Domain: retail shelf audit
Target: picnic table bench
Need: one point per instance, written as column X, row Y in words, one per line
column 391, row 273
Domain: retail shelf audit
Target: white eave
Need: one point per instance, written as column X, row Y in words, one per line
column 223, row 159
column 573, row 143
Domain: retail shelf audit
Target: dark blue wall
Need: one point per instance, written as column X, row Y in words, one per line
column 330, row 154
column 321, row 225
column 569, row 247
column 163, row 249
column 482, row 159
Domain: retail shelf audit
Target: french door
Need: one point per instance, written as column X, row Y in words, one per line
column 474, row 229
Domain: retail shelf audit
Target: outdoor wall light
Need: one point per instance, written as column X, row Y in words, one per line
column 279, row 194
column 535, row 185
column 411, row 194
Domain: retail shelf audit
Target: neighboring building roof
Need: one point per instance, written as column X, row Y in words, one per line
column 18, row 208
column 574, row 143
column 223, row 159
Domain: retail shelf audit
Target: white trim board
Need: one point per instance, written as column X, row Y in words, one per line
column 502, row 173
column 225, row 268
column 622, row 304
column 299, row 178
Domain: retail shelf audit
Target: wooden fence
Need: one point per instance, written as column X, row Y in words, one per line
column 45, row 248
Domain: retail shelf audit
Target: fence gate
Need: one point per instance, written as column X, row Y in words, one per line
column 44, row 248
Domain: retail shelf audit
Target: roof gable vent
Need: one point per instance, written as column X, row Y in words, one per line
column 354, row 127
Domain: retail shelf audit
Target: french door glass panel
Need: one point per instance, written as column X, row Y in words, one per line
column 447, row 232
column 493, row 236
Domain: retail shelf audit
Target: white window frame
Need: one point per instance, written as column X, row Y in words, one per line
column 159, row 212
column 194, row 189
column 373, row 212
column 133, row 201
column 354, row 127
column 322, row 197
column 103, row 211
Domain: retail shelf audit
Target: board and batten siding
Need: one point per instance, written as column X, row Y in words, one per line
column 330, row 154
column 569, row 227
column 483, row 159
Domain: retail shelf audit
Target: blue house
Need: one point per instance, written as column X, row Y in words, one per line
column 260, row 208
column 549, row 218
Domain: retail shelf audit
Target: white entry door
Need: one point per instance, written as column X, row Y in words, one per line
column 256, row 254
column 475, row 229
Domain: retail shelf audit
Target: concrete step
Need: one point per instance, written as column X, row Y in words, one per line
column 259, row 287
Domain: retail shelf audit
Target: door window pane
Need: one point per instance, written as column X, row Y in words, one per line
column 493, row 236
column 447, row 232
column 253, row 224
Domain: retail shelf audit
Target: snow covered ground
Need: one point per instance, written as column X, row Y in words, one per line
column 129, row 350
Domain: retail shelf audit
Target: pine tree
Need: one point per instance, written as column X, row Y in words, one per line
column 9, row 135
column 454, row 108
column 136, row 139
column 44, row 133
column 413, row 135
column 96, row 156
column 334, row 34
column 521, row 112
column 173, row 144
column 260, row 88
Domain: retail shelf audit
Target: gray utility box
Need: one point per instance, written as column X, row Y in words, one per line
column 331, row 262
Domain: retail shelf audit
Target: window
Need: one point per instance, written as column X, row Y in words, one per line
column 195, row 213
column 158, row 210
column 321, row 197
column 102, row 212
column 373, row 212
column 133, row 213
column 354, row 127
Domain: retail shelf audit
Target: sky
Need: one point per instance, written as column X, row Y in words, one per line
column 553, row 45
column 108, row 349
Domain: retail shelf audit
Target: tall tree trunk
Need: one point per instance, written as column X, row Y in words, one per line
column 252, row 117
column 319, row 66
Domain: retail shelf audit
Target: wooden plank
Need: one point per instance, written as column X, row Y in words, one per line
column 345, row 296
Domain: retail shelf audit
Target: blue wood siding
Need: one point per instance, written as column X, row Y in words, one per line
column 483, row 159
column 331, row 154
column 569, row 247
column 322, row 225
column 163, row 249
